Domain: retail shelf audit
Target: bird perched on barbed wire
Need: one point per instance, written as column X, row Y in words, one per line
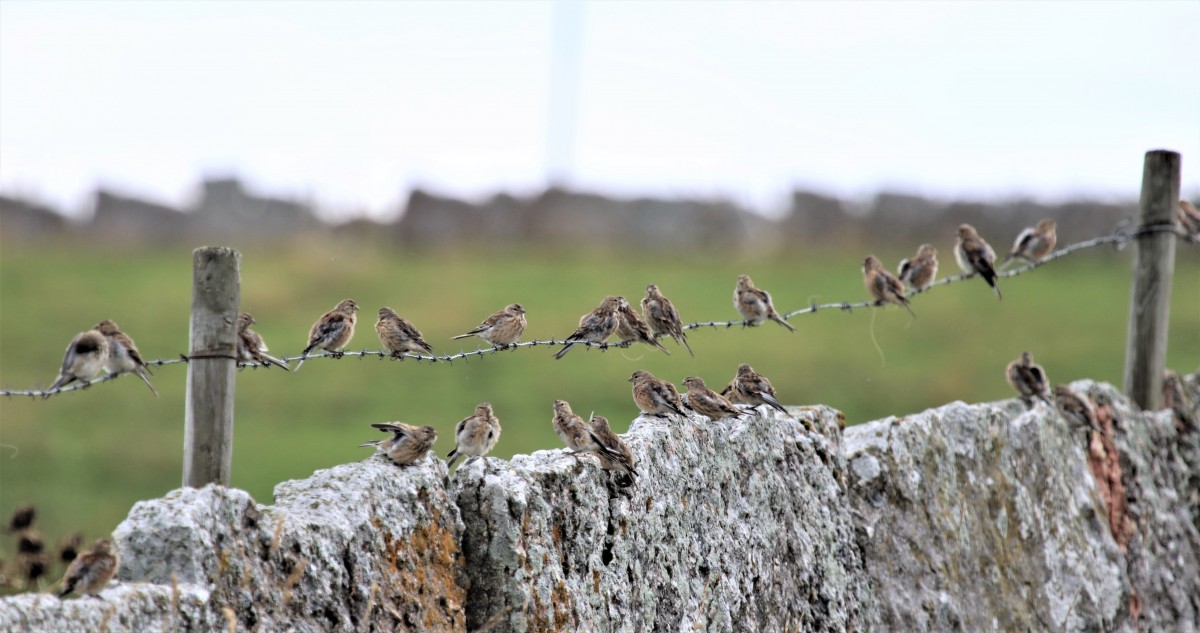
column 1189, row 219
column 662, row 317
column 617, row 457
column 333, row 330
column 707, row 402
column 85, row 359
column 1075, row 408
column 595, row 326
column 631, row 327
column 573, row 431
column 975, row 256
column 476, row 435
column 1034, row 243
column 755, row 305
column 407, row 444
column 398, row 335
column 883, row 285
column 655, row 397
column 752, row 388
column 920, row 271
column 251, row 348
column 501, row 329
column 91, row 571
column 1028, row 379
column 123, row 354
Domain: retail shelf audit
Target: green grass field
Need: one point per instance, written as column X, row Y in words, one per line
column 86, row 457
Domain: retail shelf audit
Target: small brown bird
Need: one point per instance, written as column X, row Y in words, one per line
column 573, row 431
column 920, row 271
column 84, row 360
column 707, row 402
column 68, row 549
column 1189, row 219
column 333, row 330
column 398, row 335
column 1075, row 408
column 408, row 442
column 251, row 348
column 22, row 517
column 662, row 317
column 123, row 354
column 617, row 456
column 501, row 329
column 884, row 286
column 31, row 560
column 975, row 256
column 476, row 435
column 752, row 388
column 1034, row 243
column 91, row 571
column 595, row 326
column 631, row 327
column 655, row 397
column 755, row 305
column 1177, row 397
column 1028, row 379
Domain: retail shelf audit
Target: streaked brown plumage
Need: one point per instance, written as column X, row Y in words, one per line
column 617, row 455
column 503, row 328
column 1028, row 379
column 662, row 317
column 707, row 402
column 92, row 570
column 123, row 354
column 398, row 335
column 631, row 327
column 1075, row 408
column 882, row 285
column 333, row 330
column 1034, row 243
column 84, row 360
column 476, row 435
column 975, row 256
column 655, row 397
column 752, row 388
column 920, row 271
column 755, row 305
column 408, row 442
column 572, row 430
column 251, row 348
column 595, row 326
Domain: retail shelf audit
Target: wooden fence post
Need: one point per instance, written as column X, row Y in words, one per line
column 208, row 417
column 1153, row 275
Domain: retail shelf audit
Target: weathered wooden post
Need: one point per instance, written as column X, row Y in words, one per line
column 208, row 418
column 1153, row 275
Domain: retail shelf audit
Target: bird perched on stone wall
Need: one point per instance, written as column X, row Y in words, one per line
column 752, row 388
column 1075, row 408
column 91, row 571
column 883, row 285
column 707, row 402
column 333, row 330
column 631, row 327
column 755, row 305
column 501, row 329
column 975, row 256
column 123, row 354
column 1028, row 379
column 920, row 271
column 398, row 335
column 573, row 431
column 407, row 444
column 85, row 359
column 1034, row 243
column 476, row 435
column 618, row 457
column 662, row 317
column 595, row 326
column 31, row 560
column 251, row 348
column 655, row 397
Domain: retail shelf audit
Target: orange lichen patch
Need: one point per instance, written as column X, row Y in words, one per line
column 596, row 580
column 1105, row 464
column 560, row 601
column 424, row 570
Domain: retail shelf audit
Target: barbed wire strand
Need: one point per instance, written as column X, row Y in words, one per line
column 1119, row 240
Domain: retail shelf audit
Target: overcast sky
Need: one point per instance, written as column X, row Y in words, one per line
column 351, row 105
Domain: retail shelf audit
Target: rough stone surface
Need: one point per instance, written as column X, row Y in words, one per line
column 733, row 526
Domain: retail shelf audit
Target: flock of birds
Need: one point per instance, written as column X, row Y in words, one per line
column 87, row 572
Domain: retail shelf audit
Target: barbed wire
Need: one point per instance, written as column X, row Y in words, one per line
column 1120, row 239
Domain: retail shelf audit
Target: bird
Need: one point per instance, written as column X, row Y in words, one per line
column 754, row 304
column 123, row 354
column 31, row 559
column 250, row 345
column 408, row 442
column 975, row 256
column 1189, row 219
column 595, row 326
column 398, row 335
column 1176, row 396
column 752, row 388
column 631, row 327
column 1075, row 408
column 573, row 431
column 655, row 397
column 1028, row 379
column 333, row 330
column 91, row 571
column 501, row 329
column 707, row 402
column 920, row 271
column 883, row 285
column 84, row 360
column 475, row 435
column 68, row 549
column 662, row 317
column 22, row 518
column 1034, row 243
column 618, row 457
